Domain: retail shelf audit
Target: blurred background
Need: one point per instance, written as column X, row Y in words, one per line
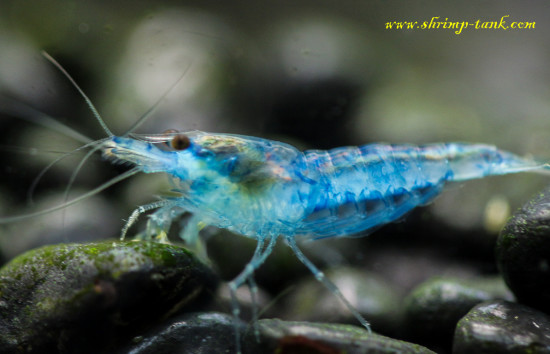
column 316, row 74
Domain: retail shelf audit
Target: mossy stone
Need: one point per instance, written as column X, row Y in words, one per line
column 88, row 297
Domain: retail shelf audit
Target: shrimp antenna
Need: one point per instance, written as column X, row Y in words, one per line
column 78, row 199
column 32, row 188
column 148, row 113
column 88, row 101
column 25, row 112
column 77, row 170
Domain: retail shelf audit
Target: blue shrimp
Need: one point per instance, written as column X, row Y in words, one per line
column 265, row 189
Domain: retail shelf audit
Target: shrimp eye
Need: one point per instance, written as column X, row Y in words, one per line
column 180, row 142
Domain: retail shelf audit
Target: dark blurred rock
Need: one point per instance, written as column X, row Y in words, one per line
column 197, row 333
column 502, row 327
column 87, row 297
column 523, row 253
column 434, row 307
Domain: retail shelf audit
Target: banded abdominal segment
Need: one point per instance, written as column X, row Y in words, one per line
column 358, row 189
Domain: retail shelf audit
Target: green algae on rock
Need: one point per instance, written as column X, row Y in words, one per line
column 523, row 253
column 88, row 297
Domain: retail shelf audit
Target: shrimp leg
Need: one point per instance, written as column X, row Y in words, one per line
column 260, row 255
column 253, row 297
column 320, row 276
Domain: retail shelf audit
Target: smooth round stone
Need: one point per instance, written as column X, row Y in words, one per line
column 523, row 253
column 199, row 333
column 502, row 327
column 87, row 297
column 278, row 336
column 434, row 307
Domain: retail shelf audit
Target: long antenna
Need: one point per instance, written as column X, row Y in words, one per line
column 51, row 164
column 25, row 112
column 88, row 101
column 78, row 199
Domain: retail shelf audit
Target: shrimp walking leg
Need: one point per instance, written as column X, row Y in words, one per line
column 320, row 276
column 260, row 255
column 253, row 297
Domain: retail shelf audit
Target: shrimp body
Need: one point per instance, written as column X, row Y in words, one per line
column 264, row 189
column 261, row 188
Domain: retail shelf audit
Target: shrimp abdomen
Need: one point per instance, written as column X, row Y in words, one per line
column 361, row 188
